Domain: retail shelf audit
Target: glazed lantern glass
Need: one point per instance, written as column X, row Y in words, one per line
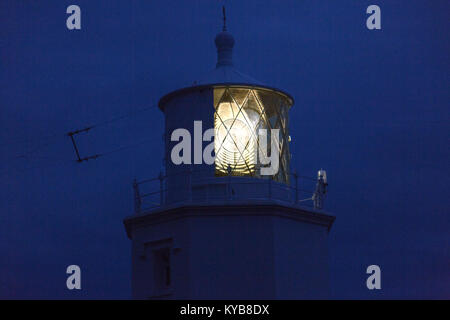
column 240, row 113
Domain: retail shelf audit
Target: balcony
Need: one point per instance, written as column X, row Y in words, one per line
column 204, row 187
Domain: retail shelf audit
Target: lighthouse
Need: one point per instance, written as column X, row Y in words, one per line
column 226, row 219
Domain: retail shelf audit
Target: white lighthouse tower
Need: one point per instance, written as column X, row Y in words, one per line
column 225, row 229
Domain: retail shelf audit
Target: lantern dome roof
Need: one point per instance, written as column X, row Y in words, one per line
column 225, row 73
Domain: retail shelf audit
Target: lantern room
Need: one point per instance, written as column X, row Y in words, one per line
column 240, row 114
column 250, row 121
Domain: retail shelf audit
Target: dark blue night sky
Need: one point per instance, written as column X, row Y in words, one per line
column 372, row 108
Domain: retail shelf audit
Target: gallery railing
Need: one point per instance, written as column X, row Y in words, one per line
column 203, row 187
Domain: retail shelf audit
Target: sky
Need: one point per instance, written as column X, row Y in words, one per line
column 371, row 107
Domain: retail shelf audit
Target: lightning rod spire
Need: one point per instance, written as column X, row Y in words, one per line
column 224, row 19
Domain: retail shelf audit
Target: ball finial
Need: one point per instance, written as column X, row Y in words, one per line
column 224, row 43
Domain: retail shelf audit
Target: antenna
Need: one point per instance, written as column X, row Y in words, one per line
column 224, row 19
column 71, row 135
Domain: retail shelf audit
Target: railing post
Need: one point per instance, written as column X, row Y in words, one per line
column 270, row 187
column 190, row 183
column 296, row 187
column 137, row 197
column 229, row 183
column 161, row 188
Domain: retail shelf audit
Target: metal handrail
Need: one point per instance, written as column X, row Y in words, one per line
column 229, row 181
